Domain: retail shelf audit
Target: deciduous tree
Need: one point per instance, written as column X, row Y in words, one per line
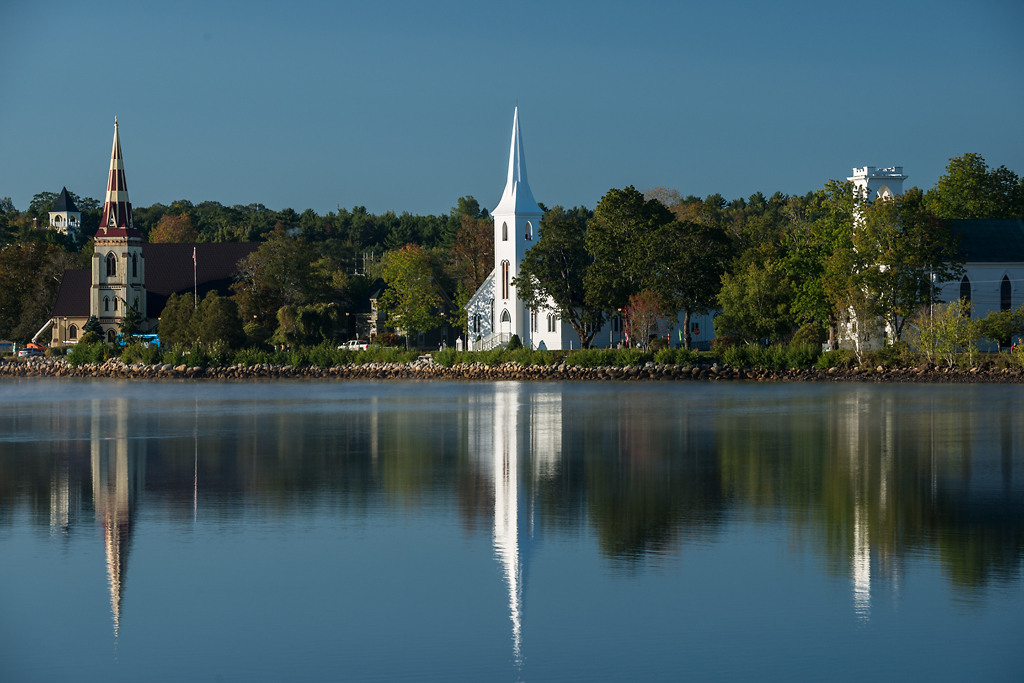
column 412, row 300
column 176, row 229
column 555, row 269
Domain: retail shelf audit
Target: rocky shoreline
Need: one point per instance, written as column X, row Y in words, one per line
column 425, row 369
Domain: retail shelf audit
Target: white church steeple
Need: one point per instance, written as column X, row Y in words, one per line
column 516, row 228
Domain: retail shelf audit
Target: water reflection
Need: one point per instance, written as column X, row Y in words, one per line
column 863, row 478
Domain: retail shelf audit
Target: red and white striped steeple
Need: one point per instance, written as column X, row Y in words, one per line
column 117, row 209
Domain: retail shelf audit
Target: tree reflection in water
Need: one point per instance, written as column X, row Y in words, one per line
column 862, row 477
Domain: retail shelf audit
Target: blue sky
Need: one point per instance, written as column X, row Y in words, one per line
column 407, row 106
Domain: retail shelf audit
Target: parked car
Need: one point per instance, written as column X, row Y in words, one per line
column 356, row 345
column 29, row 353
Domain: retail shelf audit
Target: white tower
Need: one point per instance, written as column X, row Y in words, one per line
column 65, row 216
column 516, row 228
column 876, row 183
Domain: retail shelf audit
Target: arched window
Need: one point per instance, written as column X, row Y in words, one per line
column 533, row 321
column 551, row 322
column 106, row 303
column 529, row 230
column 504, row 279
column 504, row 232
column 73, row 332
column 111, row 265
column 505, row 317
column 1005, row 295
column 110, row 335
column 965, row 290
column 115, row 303
column 135, row 265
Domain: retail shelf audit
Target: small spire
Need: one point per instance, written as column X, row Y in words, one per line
column 517, row 197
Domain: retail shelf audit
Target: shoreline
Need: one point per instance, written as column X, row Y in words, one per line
column 425, row 369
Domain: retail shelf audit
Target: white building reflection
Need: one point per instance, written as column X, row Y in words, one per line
column 516, row 425
column 118, row 467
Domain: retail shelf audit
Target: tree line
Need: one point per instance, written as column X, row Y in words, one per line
column 772, row 265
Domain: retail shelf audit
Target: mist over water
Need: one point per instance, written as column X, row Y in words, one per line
column 166, row 531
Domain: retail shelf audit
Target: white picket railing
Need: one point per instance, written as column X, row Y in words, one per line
column 491, row 341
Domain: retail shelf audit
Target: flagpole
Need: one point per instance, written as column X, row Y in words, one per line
column 195, row 280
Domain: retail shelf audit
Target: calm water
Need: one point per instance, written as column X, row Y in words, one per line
column 541, row 532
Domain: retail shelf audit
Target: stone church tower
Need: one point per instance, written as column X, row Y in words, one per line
column 118, row 267
column 516, row 224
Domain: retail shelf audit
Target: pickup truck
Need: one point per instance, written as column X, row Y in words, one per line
column 356, row 345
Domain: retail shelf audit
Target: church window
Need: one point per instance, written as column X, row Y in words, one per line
column 529, row 230
column 533, row 321
column 492, row 315
column 110, row 335
column 115, row 303
column 73, row 332
column 505, row 317
column 106, row 303
column 504, row 279
column 111, row 265
column 504, row 232
column 551, row 322
column 476, row 323
column 135, row 265
column 1005, row 295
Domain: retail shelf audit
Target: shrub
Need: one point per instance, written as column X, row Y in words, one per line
column 447, row 357
column 54, row 351
column 137, row 352
column 722, row 342
column 898, row 353
column 389, row 339
column 842, row 358
column 255, row 356
column 90, row 338
column 736, row 356
column 515, row 343
column 810, row 333
column 803, row 355
column 88, row 353
column 658, row 344
column 175, row 355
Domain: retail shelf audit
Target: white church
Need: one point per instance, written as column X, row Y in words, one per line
column 495, row 313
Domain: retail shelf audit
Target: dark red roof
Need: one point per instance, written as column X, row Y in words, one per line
column 73, row 295
column 169, row 266
column 168, row 271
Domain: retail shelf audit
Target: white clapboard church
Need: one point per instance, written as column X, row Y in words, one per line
column 495, row 313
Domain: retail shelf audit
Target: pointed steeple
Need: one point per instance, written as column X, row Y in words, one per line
column 117, row 210
column 517, row 197
column 64, row 202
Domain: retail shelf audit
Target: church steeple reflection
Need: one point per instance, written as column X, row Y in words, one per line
column 118, row 476
column 502, row 434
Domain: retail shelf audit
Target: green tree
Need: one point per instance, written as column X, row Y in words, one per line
column 411, row 299
column 216, row 320
column 970, row 189
column 623, row 258
column 816, row 250
column 175, row 325
column 176, row 229
column 131, row 321
column 555, row 269
column 279, row 273
column 1002, row 326
column 755, row 303
column 900, row 250
column 92, row 325
column 689, row 261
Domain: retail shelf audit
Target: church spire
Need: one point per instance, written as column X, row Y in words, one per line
column 117, row 210
column 517, row 197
